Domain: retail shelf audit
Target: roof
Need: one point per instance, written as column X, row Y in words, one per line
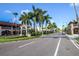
column 73, row 22
column 8, row 24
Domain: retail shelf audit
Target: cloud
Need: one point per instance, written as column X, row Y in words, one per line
column 25, row 11
column 77, row 4
column 7, row 11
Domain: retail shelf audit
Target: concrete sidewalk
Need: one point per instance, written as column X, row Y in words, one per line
column 73, row 36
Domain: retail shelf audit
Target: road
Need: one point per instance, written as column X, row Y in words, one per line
column 50, row 45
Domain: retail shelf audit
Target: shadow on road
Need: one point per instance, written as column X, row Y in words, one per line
column 56, row 36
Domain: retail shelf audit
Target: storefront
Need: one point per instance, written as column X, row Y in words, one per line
column 9, row 28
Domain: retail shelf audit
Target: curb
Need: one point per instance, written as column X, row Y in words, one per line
column 74, row 41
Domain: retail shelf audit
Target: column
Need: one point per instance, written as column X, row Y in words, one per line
column 72, row 29
column 0, row 30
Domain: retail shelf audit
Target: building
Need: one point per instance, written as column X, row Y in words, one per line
column 7, row 28
column 73, row 28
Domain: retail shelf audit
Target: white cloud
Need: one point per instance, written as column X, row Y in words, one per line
column 77, row 4
column 25, row 11
column 7, row 11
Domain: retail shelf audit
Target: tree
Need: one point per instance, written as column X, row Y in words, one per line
column 15, row 14
column 38, row 16
column 41, row 17
column 47, row 17
column 25, row 20
column 54, row 25
column 35, row 17
column 51, row 26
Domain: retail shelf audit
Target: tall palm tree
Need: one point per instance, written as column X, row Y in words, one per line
column 41, row 18
column 47, row 17
column 25, row 20
column 34, row 17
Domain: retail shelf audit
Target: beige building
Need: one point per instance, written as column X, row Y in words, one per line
column 73, row 28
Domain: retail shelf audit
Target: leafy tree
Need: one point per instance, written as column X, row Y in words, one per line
column 51, row 26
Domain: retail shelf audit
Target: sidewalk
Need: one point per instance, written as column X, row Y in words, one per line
column 73, row 39
column 73, row 36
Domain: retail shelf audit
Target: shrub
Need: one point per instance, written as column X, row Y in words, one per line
column 35, row 33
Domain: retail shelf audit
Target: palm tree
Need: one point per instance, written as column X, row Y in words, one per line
column 25, row 20
column 34, row 17
column 15, row 14
column 52, row 25
column 47, row 17
column 41, row 17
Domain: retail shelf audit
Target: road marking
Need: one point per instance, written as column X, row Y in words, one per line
column 25, row 45
column 74, row 43
column 56, row 51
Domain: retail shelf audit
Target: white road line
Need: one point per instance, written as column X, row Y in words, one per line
column 56, row 51
column 74, row 43
column 25, row 45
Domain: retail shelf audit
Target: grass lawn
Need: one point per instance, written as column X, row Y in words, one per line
column 15, row 38
column 77, row 40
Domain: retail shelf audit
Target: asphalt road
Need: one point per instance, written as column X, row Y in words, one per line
column 49, row 45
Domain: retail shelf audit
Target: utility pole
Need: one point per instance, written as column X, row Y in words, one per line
column 75, row 9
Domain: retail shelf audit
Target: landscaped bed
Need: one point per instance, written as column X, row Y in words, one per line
column 77, row 40
column 15, row 38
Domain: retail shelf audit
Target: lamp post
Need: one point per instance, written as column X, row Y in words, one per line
column 62, row 29
column 15, row 17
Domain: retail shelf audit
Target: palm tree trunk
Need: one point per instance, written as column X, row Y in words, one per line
column 42, row 29
column 46, row 29
column 21, row 31
column 40, row 26
column 35, row 27
column 26, row 28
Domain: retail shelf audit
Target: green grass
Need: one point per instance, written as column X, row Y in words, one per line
column 15, row 38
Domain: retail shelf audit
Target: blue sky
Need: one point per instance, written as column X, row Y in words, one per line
column 61, row 13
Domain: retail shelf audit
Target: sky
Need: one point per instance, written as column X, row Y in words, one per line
column 61, row 13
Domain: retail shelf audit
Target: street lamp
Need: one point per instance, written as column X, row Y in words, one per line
column 62, row 29
column 13, row 20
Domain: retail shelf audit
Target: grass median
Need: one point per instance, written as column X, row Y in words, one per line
column 15, row 38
